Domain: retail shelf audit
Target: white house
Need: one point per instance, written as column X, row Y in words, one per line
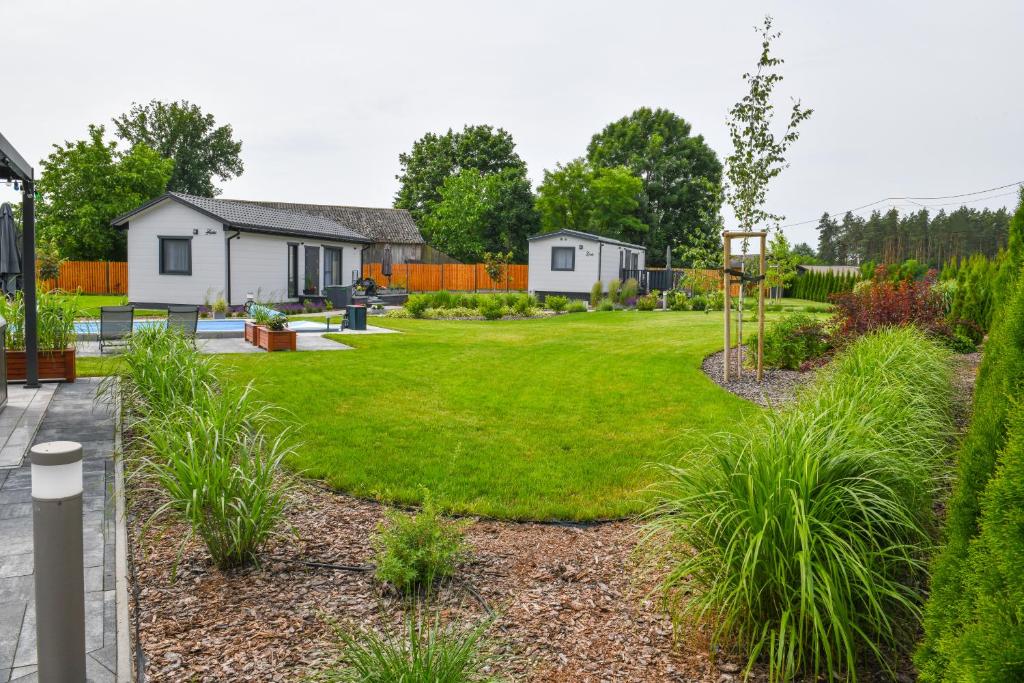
column 569, row 262
column 184, row 249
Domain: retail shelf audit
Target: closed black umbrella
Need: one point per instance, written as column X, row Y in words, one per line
column 385, row 262
column 10, row 257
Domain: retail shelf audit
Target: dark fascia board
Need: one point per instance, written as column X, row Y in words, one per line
column 122, row 222
column 12, row 165
column 587, row 236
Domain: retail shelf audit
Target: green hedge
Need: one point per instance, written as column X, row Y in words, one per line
column 974, row 621
column 818, row 286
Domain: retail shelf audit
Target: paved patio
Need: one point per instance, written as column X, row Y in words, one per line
column 304, row 341
column 71, row 415
column 20, row 420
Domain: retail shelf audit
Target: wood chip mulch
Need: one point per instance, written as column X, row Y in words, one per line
column 571, row 604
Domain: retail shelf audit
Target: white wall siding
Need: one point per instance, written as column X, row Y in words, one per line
column 171, row 219
column 259, row 265
column 580, row 279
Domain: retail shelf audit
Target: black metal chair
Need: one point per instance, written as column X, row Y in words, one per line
column 184, row 319
column 116, row 324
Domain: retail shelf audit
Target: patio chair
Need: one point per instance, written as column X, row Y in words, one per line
column 184, row 319
column 115, row 325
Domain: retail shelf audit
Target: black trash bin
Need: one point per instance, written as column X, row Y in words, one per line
column 340, row 296
column 356, row 317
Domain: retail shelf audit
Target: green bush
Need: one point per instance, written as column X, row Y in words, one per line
column 417, row 304
column 596, row 290
column 698, row 303
column 524, row 304
column 678, row 301
column 615, row 291
column 491, row 308
column 962, row 593
column 413, row 550
column 556, row 303
column 800, row 538
column 628, row 292
column 426, row 650
column 605, row 305
column 576, row 306
column 792, row 341
column 715, row 301
column 647, row 302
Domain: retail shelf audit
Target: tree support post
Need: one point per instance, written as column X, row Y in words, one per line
column 726, row 284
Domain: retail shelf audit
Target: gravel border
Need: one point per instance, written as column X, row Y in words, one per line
column 778, row 388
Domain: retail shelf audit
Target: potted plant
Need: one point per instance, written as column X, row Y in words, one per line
column 220, row 308
column 56, row 324
column 310, row 287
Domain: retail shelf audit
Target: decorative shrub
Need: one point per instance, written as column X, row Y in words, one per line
column 426, row 650
column 888, row 304
column 715, row 301
column 647, row 302
column 605, row 305
column 800, row 538
column 792, row 341
column 614, row 291
column 412, row 551
column 698, row 303
column 417, row 304
column 556, row 303
column 596, row 290
column 576, row 306
column 678, row 301
column 491, row 308
column 628, row 291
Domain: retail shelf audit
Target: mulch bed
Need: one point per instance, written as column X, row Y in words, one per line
column 571, row 605
column 778, row 388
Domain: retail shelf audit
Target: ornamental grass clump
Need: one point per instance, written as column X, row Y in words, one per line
column 798, row 540
column 424, row 650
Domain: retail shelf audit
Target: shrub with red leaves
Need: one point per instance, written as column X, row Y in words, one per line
column 889, row 304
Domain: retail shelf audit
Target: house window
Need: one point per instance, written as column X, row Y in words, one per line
column 332, row 266
column 175, row 255
column 563, row 258
column 293, row 269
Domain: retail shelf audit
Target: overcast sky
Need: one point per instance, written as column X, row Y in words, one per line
column 910, row 98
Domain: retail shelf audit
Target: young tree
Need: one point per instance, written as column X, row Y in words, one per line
column 781, row 264
column 181, row 131
column 477, row 214
column 86, row 184
column 758, row 155
column 680, row 174
column 599, row 200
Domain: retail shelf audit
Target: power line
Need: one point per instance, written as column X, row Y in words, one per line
column 910, row 199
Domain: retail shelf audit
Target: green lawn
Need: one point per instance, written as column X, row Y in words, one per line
column 551, row 418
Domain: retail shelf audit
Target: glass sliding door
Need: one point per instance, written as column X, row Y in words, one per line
column 293, row 270
column 312, row 281
column 332, row 266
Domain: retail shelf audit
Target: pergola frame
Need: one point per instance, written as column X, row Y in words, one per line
column 727, row 279
column 14, row 167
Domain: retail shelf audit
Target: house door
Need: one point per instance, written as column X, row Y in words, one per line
column 312, row 283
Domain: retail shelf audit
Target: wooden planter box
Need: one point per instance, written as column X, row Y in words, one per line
column 250, row 333
column 275, row 340
column 52, row 365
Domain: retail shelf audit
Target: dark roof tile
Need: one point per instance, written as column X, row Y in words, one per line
column 394, row 226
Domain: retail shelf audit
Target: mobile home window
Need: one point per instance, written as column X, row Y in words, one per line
column 293, row 270
column 563, row 258
column 175, row 255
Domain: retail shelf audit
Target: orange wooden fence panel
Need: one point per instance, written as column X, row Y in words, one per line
column 458, row 277
column 90, row 277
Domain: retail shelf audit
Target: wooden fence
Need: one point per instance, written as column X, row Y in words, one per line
column 90, row 277
column 458, row 277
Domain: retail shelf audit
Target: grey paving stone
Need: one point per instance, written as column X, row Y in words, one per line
column 11, row 616
column 16, row 565
column 24, row 674
column 17, row 589
column 11, row 510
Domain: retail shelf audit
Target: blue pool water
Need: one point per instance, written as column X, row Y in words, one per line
column 230, row 325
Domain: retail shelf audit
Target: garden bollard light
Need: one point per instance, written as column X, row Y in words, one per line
column 60, row 577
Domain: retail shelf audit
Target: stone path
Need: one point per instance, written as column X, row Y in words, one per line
column 20, row 420
column 72, row 415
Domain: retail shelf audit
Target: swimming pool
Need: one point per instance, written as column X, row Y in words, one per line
column 228, row 327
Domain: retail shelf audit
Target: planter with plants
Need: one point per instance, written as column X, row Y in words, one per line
column 56, row 324
column 220, row 309
column 268, row 331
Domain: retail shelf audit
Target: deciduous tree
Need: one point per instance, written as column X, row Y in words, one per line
column 183, row 132
column 86, row 184
column 600, row 200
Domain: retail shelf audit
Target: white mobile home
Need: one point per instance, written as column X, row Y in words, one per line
column 569, row 262
column 184, row 249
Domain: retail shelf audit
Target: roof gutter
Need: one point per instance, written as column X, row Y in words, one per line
column 227, row 261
